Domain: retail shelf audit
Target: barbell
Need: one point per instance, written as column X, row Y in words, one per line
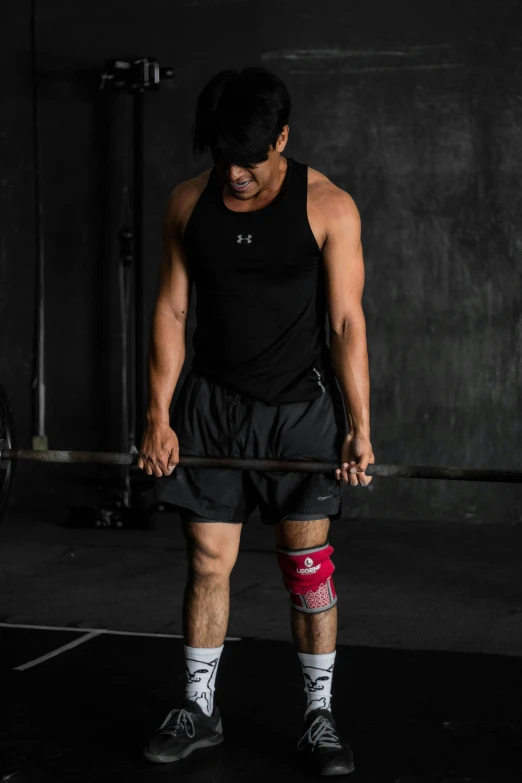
column 9, row 456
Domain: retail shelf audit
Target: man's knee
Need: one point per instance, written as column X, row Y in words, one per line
column 212, row 548
column 307, row 574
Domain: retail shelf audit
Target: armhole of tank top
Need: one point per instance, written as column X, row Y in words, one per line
column 312, row 235
column 201, row 195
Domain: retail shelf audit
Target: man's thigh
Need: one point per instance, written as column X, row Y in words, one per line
column 301, row 534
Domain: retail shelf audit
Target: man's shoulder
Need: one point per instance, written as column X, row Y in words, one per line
column 324, row 194
column 185, row 196
column 191, row 188
column 316, row 177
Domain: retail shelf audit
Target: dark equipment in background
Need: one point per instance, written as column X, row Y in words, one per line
column 125, row 504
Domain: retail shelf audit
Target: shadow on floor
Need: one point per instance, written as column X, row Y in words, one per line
column 410, row 717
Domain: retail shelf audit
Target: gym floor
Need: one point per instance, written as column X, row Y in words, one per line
column 427, row 685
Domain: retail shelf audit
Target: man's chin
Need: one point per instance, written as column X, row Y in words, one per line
column 242, row 196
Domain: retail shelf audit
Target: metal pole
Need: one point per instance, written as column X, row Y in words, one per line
column 40, row 439
column 139, row 346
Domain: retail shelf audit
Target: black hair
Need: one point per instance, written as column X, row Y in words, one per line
column 240, row 114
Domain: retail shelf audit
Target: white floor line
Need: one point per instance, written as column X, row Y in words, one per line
column 105, row 631
column 59, row 650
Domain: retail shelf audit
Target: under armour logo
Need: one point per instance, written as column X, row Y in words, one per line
column 241, row 238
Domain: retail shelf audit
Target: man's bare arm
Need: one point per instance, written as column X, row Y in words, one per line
column 167, row 339
column 344, row 265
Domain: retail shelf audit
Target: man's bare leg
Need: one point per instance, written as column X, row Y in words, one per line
column 212, row 550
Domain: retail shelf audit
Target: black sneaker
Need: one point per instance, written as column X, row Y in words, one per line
column 184, row 731
column 322, row 747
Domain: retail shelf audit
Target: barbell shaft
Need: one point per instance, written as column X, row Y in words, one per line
column 299, row 466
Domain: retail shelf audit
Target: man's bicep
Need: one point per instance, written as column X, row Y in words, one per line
column 344, row 263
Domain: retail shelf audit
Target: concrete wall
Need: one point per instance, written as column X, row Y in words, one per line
column 413, row 108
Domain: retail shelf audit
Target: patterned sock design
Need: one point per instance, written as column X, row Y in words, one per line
column 201, row 665
column 318, row 674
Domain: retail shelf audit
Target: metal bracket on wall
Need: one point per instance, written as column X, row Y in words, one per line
column 134, row 76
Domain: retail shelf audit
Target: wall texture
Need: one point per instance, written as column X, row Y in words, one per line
column 413, row 108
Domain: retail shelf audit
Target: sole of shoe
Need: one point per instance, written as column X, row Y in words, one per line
column 206, row 743
column 337, row 773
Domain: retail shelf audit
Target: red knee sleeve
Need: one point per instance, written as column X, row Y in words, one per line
column 307, row 574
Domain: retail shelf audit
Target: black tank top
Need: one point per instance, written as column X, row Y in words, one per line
column 261, row 299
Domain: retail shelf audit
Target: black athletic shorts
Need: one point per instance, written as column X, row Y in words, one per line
column 211, row 420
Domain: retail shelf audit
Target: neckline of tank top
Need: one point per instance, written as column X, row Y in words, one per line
column 276, row 200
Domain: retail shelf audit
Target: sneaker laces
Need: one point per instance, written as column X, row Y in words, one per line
column 321, row 733
column 178, row 720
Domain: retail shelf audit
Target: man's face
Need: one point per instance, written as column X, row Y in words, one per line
column 244, row 183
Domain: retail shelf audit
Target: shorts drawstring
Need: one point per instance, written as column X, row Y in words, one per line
column 235, row 398
column 251, row 414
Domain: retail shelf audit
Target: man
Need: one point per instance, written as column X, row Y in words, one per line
column 271, row 246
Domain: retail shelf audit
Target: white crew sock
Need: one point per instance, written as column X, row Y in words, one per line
column 318, row 675
column 201, row 665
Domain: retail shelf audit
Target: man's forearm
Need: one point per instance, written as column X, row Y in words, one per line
column 166, row 358
column 349, row 353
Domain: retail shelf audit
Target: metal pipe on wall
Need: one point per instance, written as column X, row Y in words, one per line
column 39, row 439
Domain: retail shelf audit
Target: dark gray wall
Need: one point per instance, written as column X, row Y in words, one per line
column 413, row 108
